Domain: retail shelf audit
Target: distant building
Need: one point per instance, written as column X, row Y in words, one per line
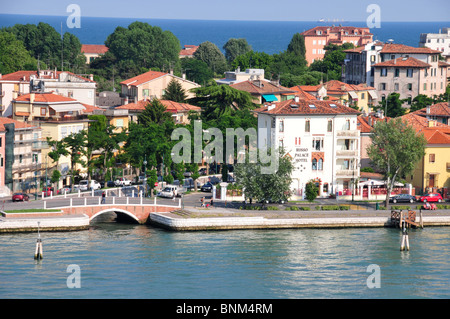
column 263, row 90
column 439, row 112
column 64, row 83
column 322, row 139
column 233, row 77
column 188, row 51
column 92, row 51
column 432, row 173
column 437, row 41
column 317, row 38
column 180, row 111
column 21, row 160
column 151, row 84
column 361, row 95
column 108, row 99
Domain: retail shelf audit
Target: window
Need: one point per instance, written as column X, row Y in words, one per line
column 317, row 143
column 395, row 86
column 347, row 124
column 314, row 165
column 145, row 92
column 20, row 158
column 409, row 99
column 307, row 126
column 432, row 158
column 281, row 126
column 382, row 86
column 409, row 73
column 70, row 94
column 424, row 86
column 314, row 51
column 320, row 165
column 119, row 122
column 330, row 126
column 363, row 96
column 43, row 111
column 280, row 144
column 383, row 72
column 409, row 86
column 397, row 73
column 392, row 56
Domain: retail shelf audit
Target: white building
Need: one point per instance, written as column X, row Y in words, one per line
column 233, row 77
column 322, row 139
column 66, row 84
column 437, row 41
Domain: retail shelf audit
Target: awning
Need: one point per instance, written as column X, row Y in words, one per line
column 269, row 97
column 373, row 94
column 353, row 95
column 67, row 107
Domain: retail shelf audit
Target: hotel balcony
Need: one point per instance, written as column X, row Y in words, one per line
column 347, row 153
column 347, row 173
column 345, row 134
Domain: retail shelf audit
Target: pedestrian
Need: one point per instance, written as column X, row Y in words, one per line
column 103, row 197
column 202, row 201
column 211, row 203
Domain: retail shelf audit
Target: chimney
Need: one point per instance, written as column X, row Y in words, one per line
column 428, row 109
column 296, row 98
column 431, row 124
column 171, row 71
column 91, row 77
column 0, row 75
column 183, row 76
column 32, row 98
column 271, row 107
column 126, row 100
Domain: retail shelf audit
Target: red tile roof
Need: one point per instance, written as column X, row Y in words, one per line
column 89, row 108
column 401, row 48
column 436, row 136
column 421, row 124
column 188, row 50
column 143, row 78
column 337, row 29
column 260, row 87
column 336, row 87
column 302, row 94
column 171, row 106
column 17, row 124
column 25, row 76
column 94, row 48
column 439, row 109
column 306, row 107
column 403, row 63
column 45, row 98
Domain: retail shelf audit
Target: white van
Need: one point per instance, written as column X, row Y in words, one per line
column 170, row 191
column 84, row 185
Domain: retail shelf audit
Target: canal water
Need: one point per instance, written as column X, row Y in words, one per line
column 113, row 260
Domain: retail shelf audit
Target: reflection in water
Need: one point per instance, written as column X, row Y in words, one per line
column 138, row 261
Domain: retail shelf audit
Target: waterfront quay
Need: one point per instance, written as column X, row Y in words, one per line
column 188, row 216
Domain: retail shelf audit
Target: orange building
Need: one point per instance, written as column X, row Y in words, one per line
column 317, row 38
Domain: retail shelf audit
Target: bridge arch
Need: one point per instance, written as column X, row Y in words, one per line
column 115, row 210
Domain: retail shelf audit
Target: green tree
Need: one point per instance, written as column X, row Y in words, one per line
column 197, row 71
column 262, row 186
column 420, row 101
column 56, row 175
column 236, row 47
column 311, row 191
column 220, row 100
column 253, row 60
column 152, row 179
column 210, row 54
column 13, row 54
column 297, row 45
column 154, row 112
column 174, row 92
column 144, row 46
column 395, row 150
column 331, row 64
column 392, row 105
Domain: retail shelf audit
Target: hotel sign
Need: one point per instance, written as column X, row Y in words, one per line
column 301, row 154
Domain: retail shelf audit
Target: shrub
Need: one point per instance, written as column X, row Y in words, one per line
column 272, row 208
column 293, row 208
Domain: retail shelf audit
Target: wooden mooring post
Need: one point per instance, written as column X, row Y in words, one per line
column 405, row 239
column 38, row 254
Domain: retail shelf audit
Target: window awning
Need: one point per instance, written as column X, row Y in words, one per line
column 373, row 94
column 67, row 107
column 269, row 97
column 353, row 94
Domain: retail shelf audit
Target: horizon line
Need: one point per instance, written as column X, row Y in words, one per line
column 149, row 18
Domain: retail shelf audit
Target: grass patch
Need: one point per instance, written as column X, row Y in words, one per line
column 333, row 207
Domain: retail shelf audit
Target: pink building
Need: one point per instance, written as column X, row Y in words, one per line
column 317, row 38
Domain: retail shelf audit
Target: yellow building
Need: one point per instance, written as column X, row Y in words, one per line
column 360, row 95
column 432, row 173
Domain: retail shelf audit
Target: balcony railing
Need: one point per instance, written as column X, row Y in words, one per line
column 347, row 153
column 347, row 133
column 346, row 173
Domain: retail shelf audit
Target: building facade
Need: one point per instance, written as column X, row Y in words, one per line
column 322, row 139
column 437, row 41
column 317, row 38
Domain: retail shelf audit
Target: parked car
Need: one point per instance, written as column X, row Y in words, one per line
column 110, row 184
column 207, row 187
column 95, row 185
column 63, row 190
column 122, row 182
column 403, row 198
column 48, row 191
column 433, row 197
column 20, row 197
column 83, row 185
column 202, row 171
column 169, row 191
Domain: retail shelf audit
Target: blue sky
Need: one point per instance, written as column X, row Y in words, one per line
column 279, row 10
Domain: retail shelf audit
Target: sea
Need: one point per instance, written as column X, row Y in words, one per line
column 264, row 36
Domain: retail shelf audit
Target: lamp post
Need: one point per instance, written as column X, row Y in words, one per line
column 354, row 184
column 145, row 174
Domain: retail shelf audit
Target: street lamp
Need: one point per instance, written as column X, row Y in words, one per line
column 145, row 174
column 354, row 184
